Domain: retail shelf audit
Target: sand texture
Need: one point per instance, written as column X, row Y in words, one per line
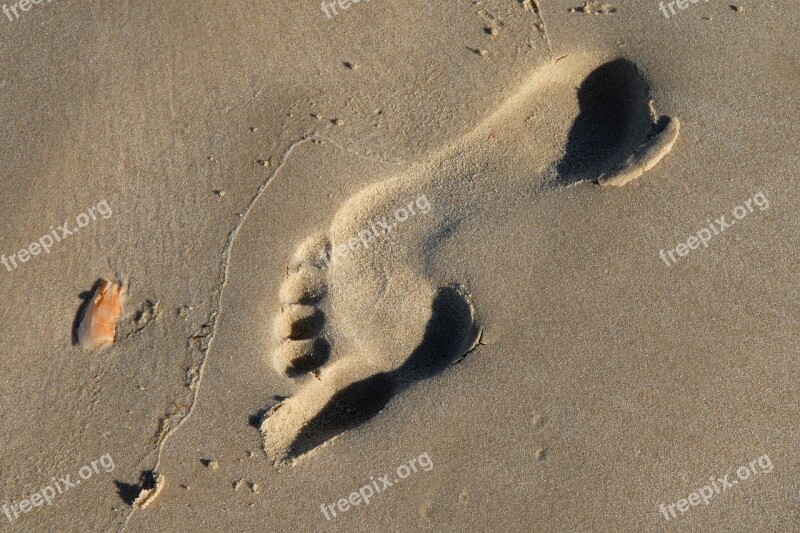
column 498, row 265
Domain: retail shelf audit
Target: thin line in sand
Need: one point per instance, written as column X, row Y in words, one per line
column 535, row 3
column 217, row 312
column 225, row 267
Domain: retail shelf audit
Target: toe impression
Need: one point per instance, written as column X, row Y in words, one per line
column 647, row 156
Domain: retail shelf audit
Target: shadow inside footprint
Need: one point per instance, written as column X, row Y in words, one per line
column 319, row 353
column 449, row 334
column 614, row 120
column 350, row 407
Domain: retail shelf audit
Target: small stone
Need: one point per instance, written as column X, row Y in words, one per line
column 236, row 484
column 594, row 7
column 425, row 510
column 254, row 488
column 210, row 463
column 351, row 66
column 337, row 122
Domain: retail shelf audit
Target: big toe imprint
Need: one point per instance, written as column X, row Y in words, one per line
column 618, row 135
column 341, row 398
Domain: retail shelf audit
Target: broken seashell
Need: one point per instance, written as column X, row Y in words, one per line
column 98, row 325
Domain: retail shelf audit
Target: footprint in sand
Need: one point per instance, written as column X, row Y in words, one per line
column 361, row 328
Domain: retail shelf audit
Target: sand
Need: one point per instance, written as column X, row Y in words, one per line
column 373, row 277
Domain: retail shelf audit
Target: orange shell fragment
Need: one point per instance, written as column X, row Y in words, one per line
column 98, row 325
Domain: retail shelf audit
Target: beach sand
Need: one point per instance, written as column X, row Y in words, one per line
column 378, row 276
